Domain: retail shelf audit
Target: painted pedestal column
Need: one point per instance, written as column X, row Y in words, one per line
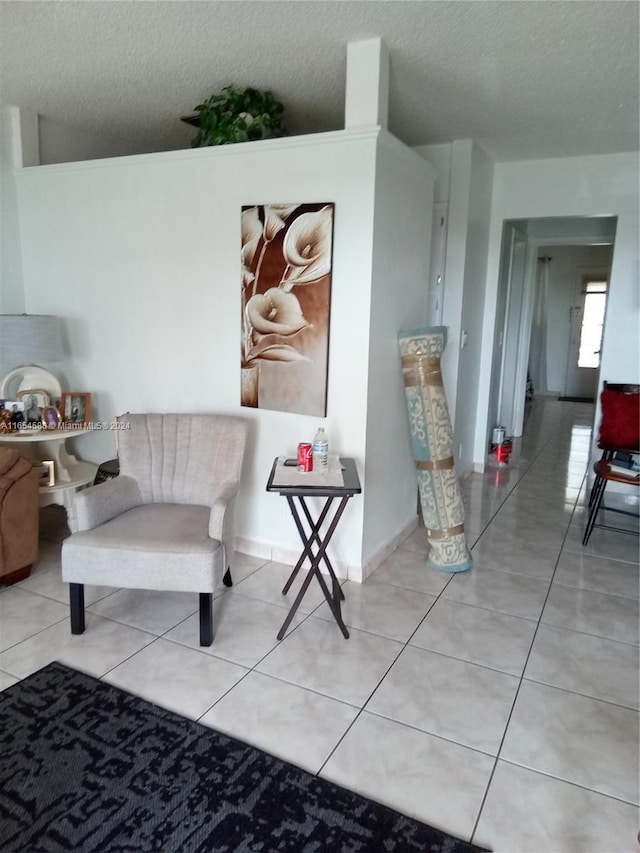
column 432, row 444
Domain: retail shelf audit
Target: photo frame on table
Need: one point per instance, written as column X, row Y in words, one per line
column 46, row 471
column 35, row 400
column 51, row 417
column 11, row 415
column 75, row 407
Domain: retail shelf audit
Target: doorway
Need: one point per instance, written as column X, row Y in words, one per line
column 585, row 334
column 535, row 313
column 574, row 278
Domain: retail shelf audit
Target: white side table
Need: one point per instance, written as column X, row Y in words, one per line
column 70, row 473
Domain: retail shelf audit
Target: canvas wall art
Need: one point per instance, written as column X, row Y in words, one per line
column 286, row 297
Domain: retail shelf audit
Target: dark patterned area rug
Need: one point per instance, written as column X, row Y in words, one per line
column 86, row 767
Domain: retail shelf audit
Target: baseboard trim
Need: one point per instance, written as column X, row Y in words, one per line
column 384, row 551
column 252, row 548
column 290, row 557
column 345, row 571
column 466, row 472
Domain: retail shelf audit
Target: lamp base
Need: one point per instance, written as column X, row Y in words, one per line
column 29, row 377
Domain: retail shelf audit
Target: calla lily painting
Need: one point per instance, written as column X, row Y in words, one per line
column 286, row 260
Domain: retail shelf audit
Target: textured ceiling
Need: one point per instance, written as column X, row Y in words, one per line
column 526, row 78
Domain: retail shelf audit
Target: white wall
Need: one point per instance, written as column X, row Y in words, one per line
column 459, row 201
column 27, row 139
column 62, row 143
column 471, row 329
column 465, row 181
column 605, row 185
column 18, row 147
column 403, row 208
column 140, row 256
column 440, row 158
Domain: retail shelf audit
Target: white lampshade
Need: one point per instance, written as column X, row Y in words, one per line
column 25, row 341
column 29, row 339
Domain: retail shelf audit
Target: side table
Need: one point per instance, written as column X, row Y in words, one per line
column 71, row 473
column 298, row 487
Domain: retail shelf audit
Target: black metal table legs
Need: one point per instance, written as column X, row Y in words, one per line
column 314, row 538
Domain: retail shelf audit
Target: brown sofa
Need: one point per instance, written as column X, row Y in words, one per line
column 19, row 514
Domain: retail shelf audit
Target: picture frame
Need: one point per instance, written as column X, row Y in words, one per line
column 35, row 400
column 75, row 408
column 46, row 472
column 11, row 415
column 51, row 417
column 286, row 272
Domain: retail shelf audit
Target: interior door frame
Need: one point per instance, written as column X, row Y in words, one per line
column 516, row 231
column 526, row 316
column 524, row 340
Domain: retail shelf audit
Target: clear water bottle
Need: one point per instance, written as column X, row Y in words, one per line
column 321, row 452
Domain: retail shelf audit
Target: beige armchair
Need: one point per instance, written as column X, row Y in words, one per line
column 19, row 515
column 165, row 522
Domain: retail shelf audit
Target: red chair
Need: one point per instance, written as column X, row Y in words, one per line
column 619, row 433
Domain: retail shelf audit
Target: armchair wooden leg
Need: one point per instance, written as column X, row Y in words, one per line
column 206, row 618
column 76, row 600
column 227, row 580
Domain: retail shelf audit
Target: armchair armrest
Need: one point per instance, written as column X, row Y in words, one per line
column 219, row 518
column 97, row 504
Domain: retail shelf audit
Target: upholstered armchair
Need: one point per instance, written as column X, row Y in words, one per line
column 19, row 515
column 165, row 522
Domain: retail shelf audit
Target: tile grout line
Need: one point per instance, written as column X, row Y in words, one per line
column 391, row 665
column 522, row 678
column 406, row 644
column 573, row 784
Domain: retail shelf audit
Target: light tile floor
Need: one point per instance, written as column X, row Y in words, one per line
column 500, row 705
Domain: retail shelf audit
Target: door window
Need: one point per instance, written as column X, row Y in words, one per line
column 595, row 300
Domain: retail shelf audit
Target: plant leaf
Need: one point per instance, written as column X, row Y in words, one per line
column 222, row 116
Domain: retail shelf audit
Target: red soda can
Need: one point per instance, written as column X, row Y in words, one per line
column 503, row 451
column 305, row 457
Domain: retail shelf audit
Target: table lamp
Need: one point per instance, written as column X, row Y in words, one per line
column 24, row 340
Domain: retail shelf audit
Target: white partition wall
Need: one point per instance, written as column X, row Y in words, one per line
column 399, row 293
column 140, row 257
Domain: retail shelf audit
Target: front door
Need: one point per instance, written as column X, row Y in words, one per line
column 587, row 321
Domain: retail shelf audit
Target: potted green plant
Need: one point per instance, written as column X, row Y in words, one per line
column 237, row 115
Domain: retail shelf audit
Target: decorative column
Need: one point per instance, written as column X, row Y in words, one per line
column 432, row 444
